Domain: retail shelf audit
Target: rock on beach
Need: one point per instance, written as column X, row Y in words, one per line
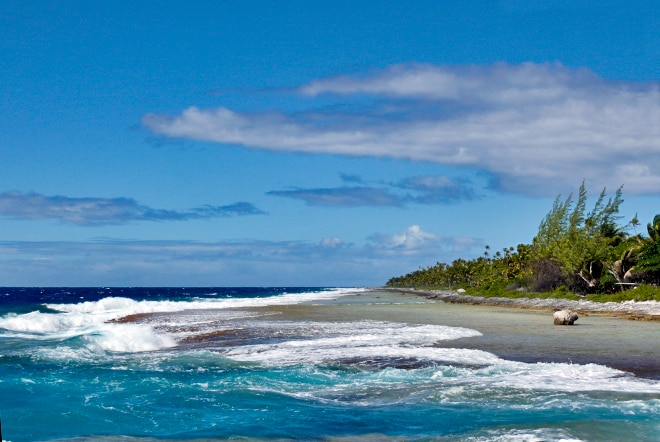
column 565, row 317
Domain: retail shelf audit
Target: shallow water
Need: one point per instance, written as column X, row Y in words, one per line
column 530, row 336
column 321, row 365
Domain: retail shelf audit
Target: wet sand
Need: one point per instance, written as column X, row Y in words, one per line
column 517, row 334
column 510, row 333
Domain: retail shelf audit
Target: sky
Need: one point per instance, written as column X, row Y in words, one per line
column 308, row 143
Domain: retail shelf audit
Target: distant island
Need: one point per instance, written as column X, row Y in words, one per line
column 575, row 255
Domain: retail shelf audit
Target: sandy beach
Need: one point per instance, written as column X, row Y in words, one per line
column 642, row 310
column 349, row 364
column 515, row 331
column 618, row 335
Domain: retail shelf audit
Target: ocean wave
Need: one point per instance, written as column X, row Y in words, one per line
column 360, row 341
column 111, row 308
column 524, row 435
column 94, row 320
column 565, row 377
column 368, row 344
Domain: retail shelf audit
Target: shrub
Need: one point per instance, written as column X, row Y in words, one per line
column 548, row 275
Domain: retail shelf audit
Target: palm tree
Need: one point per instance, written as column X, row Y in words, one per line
column 649, row 261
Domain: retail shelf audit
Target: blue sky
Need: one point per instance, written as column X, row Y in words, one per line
column 310, row 143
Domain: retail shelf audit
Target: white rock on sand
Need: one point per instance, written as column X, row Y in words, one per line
column 565, row 317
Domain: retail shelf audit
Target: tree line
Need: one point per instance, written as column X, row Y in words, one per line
column 582, row 251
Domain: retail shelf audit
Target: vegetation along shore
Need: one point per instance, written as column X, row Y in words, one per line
column 587, row 261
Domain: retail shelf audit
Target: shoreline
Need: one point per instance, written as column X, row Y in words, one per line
column 524, row 331
column 631, row 310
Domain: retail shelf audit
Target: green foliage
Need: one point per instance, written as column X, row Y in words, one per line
column 628, row 252
column 562, row 292
column 641, row 293
column 573, row 252
column 499, row 290
column 646, row 256
column 654, row 229
column 580, row 243
column 507, row 266
column 492, row 289
column 650, row 256
column 649, row 252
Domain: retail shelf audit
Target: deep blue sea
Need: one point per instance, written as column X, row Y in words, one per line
column 152, row 364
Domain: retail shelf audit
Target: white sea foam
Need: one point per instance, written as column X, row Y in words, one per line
column 100, row 339
column 127, row 338
column 391, row 344
column 329, row 342
column 563, row 377
column 287, row 354
column 126, row 306
column 539, row 435
column 91, row 319
column 87, row 313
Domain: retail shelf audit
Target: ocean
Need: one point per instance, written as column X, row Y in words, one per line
column 282, row 363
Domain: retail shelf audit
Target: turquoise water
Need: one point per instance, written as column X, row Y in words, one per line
column 277, row 363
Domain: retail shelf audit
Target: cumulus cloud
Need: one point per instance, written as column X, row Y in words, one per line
column 415, row 241
column 536, row 128
column 105, row 211
column 412, row 240
column 332, row 242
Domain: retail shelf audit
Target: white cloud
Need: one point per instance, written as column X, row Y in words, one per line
column 539, row 129
column 106, row 211
column 499, row 83
column 415, row 241
column 330, row 261
column 342, row 196
column 331, row 242
column 413, row 238
column 428, row 189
